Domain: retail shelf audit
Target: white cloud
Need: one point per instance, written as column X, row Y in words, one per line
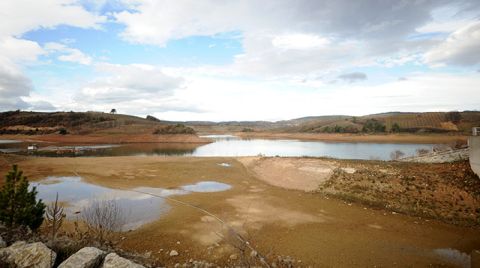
column 237, row 99
column 353, row 77
column 20, row 16
column 299, row 41
column 462, row 47
column 135, row 88
column 284, row 39
column 68, row 54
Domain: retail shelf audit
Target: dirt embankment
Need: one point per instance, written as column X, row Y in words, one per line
column 110, row 138
column 446, row 191
column 373, row 138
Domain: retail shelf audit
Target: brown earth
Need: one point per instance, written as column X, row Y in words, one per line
column 309, row 226
column 374, row 138
column 449, row 191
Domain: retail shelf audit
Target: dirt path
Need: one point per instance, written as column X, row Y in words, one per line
column 309, row 227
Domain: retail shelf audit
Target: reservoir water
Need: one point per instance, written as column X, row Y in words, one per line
column 230, row 146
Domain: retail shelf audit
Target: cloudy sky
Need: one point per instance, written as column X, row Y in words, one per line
column 240, row 60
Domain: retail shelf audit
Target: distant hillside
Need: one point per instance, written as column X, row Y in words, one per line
column 390, row 122
column 459, row 122
column 19, row 122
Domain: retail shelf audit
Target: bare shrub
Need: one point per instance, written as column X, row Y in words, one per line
column 441, row 148
column 55, row 216
column 397, row 154
column 103, row 219
column 422, row 151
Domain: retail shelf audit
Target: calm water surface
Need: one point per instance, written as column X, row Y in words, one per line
column 228, row 145
column 137, row 205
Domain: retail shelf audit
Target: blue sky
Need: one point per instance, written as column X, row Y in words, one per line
column 240, row 60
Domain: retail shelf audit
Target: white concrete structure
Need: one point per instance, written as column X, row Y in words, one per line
column 474, row 144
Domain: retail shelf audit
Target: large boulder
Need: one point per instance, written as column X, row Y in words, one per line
column 23, row 255
column 112, row 260
column 88, row 257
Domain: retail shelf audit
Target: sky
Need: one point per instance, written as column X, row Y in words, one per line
column 223, row 60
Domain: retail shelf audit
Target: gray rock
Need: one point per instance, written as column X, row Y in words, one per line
column 2, row 243
column 173, row 253
column 112, row 260
column 23, row 255
column 87, row 257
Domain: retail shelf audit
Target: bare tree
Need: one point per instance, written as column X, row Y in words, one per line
column 55, row 216
column 103, row 218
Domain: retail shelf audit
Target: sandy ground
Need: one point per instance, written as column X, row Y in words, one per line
column 109, row 138
column 308, row 226
column 376, row 138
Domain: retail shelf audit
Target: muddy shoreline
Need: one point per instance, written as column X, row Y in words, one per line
column 368, row 138
column 319, row 227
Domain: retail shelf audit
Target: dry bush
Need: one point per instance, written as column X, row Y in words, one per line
column 55, row 215
column 422, row 151
column 103, row 218
column 397, row 154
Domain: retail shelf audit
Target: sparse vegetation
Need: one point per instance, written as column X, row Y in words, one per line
column 152, row 118
column 395, row 128
column 63, row 131
column 397, row 154
column 454, row 117
column 373, row 126
column 103, row 218
column 174, row 129
column 55, row 216
column 18, row 204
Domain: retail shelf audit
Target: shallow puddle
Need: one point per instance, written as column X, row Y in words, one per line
column 139, row 205
column 206, row 187
column 453, row 256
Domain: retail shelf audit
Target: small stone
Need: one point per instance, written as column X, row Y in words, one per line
column 233, row 257
column 173, row 253
column 253, row 254
column 178, row 242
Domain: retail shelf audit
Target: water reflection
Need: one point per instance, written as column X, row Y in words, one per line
column 230, row 146
column 138, row 205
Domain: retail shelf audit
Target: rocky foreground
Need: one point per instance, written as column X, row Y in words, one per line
column 22, row 255
column 26, row 255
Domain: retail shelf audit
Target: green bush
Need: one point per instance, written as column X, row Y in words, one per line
column 18, row 204
column 63, row 131
column 373, row 125
column 395, row 128
column 174, row 129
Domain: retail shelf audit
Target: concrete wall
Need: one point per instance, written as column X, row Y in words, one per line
column 474, row 144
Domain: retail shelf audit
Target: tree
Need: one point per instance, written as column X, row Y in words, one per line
column 18, row 205
column 113, row 111
column 395, row 127
column 63, row 131
column 373, row 125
